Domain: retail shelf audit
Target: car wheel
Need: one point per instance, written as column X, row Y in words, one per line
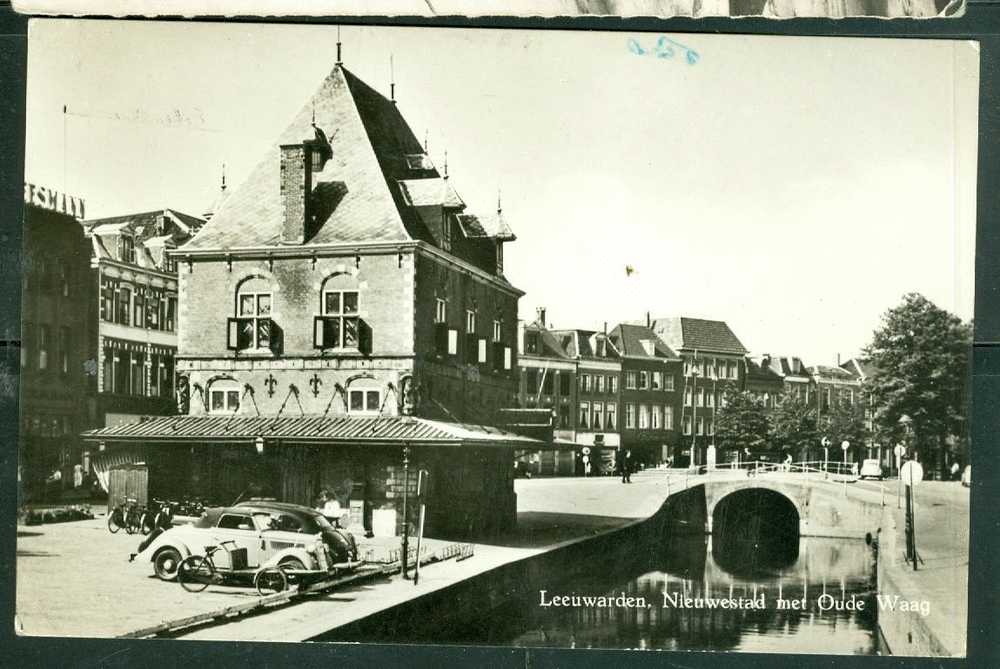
column 165, row 563
column 292, row 564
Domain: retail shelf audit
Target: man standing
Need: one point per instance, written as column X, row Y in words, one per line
column 626, row 466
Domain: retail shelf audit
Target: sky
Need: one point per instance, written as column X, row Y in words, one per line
column 793, row 187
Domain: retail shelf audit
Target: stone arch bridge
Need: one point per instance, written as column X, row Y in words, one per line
column 820, row 506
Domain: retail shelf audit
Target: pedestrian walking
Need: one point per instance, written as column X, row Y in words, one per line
column 626, row 467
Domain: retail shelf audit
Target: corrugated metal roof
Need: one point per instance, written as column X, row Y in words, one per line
column 311, row 428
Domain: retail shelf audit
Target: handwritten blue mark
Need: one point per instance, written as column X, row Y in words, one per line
column 665, row 48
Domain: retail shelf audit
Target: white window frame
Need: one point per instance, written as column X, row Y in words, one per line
column 611, row 417
column 630, row 380
column 583, row 416
column 656, row 417
column 597, row 417
column 668, row 382
column 687, row 425
column 342, row 317
column 497, row 329
column 643, row 379
column 227, row 404
column 668, row 417
column 366, row 405
column 643, row 416
column 441, row 310
column 470, row 321
column 629, row 416
column 612, row 384
column 256, row 317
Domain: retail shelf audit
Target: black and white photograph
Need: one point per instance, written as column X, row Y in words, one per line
column 644, row 341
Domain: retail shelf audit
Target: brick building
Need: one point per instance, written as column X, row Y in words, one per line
column 862, row 371
column 137, row 311
column 793, row 372
column 548, row 381
column 342, row 313
column 57, row 334
column 713, row 364
column 763, row 382
column 650, row 396
column 598, row 398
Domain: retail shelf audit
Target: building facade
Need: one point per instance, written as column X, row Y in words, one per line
column 713, row 361
column 763, row 382
column 57, row 334
column 598, row 398
column 651, row 394
column 136, row 311
column 343, row 320
column 548, row 381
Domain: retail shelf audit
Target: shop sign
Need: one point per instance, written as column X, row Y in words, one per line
column 53, row 200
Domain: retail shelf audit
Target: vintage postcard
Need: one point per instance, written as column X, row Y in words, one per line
column 771, row 9
column 524, row 338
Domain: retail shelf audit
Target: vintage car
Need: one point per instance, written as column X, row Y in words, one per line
column 273, row 534
column 871, row 469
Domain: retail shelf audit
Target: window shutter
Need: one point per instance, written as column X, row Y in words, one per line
column 364, row 337
column 318, row 324
column 506, row 357
column 452, row 341
column 232, row 340
column 482, row 350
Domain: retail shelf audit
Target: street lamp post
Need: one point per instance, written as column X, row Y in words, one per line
column 406, row 523
column 694, row 413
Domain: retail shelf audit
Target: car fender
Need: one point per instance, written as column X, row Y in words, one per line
column 169, row 539
column 301, row 554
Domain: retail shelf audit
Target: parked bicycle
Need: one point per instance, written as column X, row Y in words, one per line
column 159, row 515
column 127, row 516
column 197, row 572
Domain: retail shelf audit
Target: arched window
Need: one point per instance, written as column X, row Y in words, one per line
column 224, row 396
column 339, row 326
column 253, row 327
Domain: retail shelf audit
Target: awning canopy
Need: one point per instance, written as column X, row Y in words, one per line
column 393, row 430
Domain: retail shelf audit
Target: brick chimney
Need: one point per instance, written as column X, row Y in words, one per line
column 296, row 185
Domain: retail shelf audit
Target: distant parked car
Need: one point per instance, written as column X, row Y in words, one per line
column 273, row 534
column 967, row 476
column 871, row 469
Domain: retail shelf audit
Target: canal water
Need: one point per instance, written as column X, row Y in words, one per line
column 809, row 596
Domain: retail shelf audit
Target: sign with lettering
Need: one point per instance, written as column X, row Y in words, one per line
column 47, row 198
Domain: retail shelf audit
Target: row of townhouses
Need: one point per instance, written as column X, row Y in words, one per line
column 653, row 387
column 339, row 322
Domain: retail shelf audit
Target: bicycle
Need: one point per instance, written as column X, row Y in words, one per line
column 133, row 518
column 197, row 572
column 159, row 515
column 119, row 517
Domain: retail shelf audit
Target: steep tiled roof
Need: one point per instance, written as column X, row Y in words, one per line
column 831, row 373
column 145, row 232
column 362, row 189
column 697, row 333
column 348, row 429
column 784, row 365
column 628, row 339
column 862, row 369
column 476, row 226
column 430, row 192
column 583, row 344
column 756, row 372
column 549, row 346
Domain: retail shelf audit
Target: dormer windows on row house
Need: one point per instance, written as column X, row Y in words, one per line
column 126, row 249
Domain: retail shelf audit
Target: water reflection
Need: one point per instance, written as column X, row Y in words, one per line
column 794, row 590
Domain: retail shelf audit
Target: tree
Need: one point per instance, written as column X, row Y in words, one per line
column 921, row 355
column 845, row 421
column 743, row 423
column 794, row 428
